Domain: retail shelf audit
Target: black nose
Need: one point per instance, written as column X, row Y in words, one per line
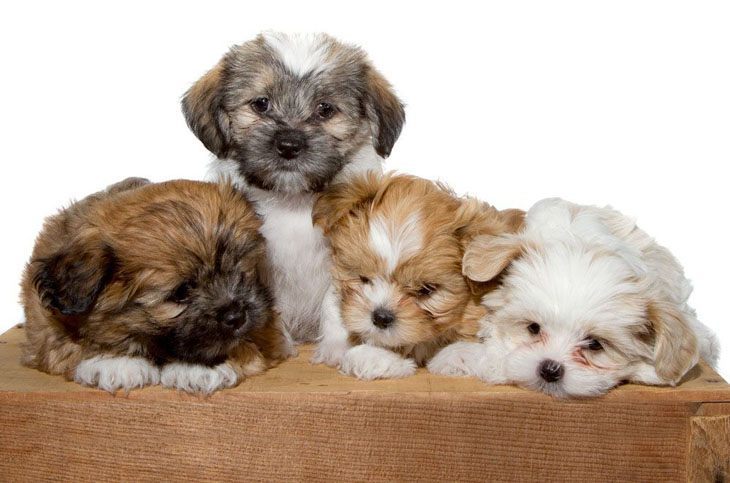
column 551, row 370
column 383, row 318
column 231, row 318
column 289, row 143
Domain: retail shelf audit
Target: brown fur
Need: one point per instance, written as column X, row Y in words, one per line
column 424, row 323
column 102, row 270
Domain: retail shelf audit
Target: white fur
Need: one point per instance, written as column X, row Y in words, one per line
column 369, row 362
column 301, row 53
column 298, row 252
column 584, row 270
column 333, row 342
column 393, row 242
column 115, row 373
column 198, row 379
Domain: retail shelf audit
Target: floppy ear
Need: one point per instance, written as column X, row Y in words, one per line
column 345, row 199
column 384, row 111
column 486, row 256
column 675, row 344
column 69, row 282
column 201, row 105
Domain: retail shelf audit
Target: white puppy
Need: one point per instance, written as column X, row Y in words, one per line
column 587, row 301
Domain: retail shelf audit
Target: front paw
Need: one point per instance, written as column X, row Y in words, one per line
column 195, row 378
column 114, row 373
column 455, row 360
column 329, row 354
column 369, row 362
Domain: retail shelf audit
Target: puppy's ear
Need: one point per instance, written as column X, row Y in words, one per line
column 345, row 199
column 675, row 343
column 201, row 106
column 486, row 256
column 474, row 218
column 384, row 111
column 70, row 281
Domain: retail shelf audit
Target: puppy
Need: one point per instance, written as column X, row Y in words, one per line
column 397, row 243
column 588, row 301
column 286, row 115
column 147, row 283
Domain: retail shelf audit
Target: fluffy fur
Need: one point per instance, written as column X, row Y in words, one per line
column 146, row 283
column 588, row 301
column 287, row 115
column 397, row 243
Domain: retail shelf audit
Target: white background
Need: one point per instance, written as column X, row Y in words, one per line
column 622, row 102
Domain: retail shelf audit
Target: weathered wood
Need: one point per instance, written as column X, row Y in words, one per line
column 300, row 422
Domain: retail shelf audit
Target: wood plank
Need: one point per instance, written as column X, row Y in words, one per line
column 303, row 422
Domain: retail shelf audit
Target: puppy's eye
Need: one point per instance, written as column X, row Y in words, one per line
column 182, row 292
column 533, row 328
column 594, row 345
column 261, row 104
column 325, row 110
column 427, row 289
column 364, row 279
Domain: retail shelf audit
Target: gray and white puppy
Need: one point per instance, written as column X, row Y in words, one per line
column 286, row 116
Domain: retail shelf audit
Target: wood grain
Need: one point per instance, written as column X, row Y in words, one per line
column 302, row 422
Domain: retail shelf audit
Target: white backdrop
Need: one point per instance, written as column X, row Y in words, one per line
column 623, row 102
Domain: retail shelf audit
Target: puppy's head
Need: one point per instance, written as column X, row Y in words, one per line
column 293, row 111
column 168, row 271
column 575, row 317
column 397, row 243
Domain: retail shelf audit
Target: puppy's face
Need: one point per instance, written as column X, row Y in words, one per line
column 397, row 244
column 572, row 319
column 171, row 273
column 292, row 111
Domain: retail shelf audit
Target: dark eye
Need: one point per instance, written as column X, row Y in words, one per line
column 260, row 104
column 364, row 279
column 182, row 292
column 594, row 345
column 427, row 289
column 534, row 328
column 325, row 110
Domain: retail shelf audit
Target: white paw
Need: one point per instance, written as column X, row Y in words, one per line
column 330, row 353
column 198, row 378
column 115, row 373
column 457, row 359
column 369, row 362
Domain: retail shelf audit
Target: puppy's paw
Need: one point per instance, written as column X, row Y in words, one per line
column 196, row 378
column 114, row 373
column 457, row 359
column 368, row 362
column 330, row 353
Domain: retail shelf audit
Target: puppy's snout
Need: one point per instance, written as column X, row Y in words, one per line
column 289, row 143
column 383, row 318
column 231, row 318
column 550, row 370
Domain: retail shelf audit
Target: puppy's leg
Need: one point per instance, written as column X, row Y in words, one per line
column 196, row 378
column 470, row 359
column 370, row 362
column 112, row 373
column 333, row 336
column 457, row 359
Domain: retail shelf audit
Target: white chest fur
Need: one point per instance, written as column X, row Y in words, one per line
column 298, row 252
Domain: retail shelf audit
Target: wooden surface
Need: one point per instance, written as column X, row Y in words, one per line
column 300, row 422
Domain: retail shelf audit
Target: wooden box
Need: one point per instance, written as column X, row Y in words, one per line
column 303, row 422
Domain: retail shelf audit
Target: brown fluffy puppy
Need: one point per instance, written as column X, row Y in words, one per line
column 397, row 243
column 145, row 283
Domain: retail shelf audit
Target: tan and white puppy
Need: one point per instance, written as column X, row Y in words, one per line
column 397, row 243
column 588, row 300
column 286, row 116
column 152, row 283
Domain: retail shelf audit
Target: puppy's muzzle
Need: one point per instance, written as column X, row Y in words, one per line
column 289, row 143
column 550, row 370
column 233, row 320
column 383, row 318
